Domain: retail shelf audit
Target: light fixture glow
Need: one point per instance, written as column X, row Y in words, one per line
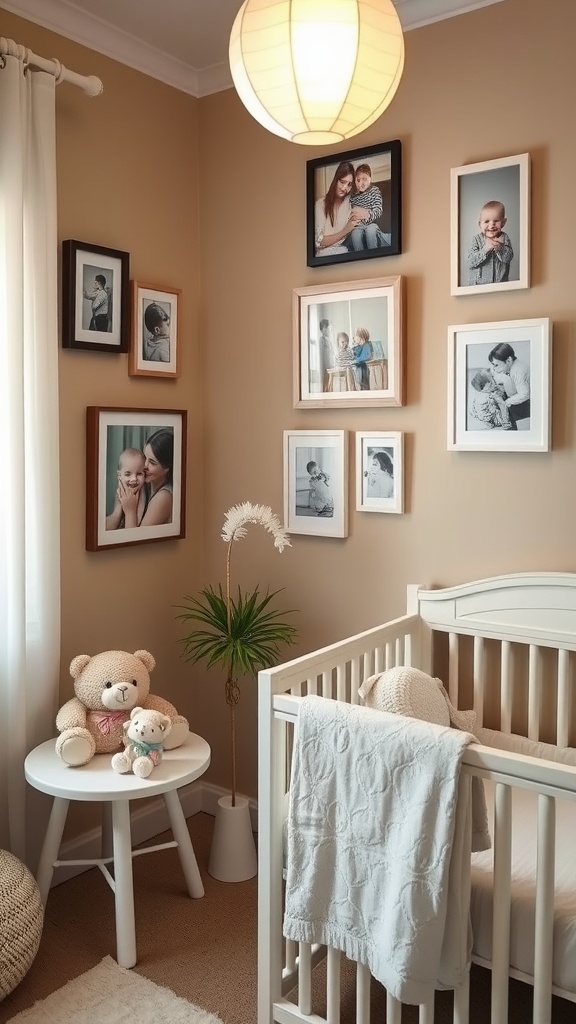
column 316, row 71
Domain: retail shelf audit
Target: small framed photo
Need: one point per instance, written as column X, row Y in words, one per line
column 490, row 226
column 95, row 297
column 499, row 386
column 136, row 476
column 353, row 205
column 348, row 344
column 379, row 471
column 316, row 482
column 156, row 331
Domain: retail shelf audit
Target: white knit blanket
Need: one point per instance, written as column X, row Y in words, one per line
column 374, row 821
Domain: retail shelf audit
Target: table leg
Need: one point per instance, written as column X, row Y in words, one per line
column 185, row 848
column 124, row 885
column 51, row 846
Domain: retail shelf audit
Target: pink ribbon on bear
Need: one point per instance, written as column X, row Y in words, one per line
column 107, row 721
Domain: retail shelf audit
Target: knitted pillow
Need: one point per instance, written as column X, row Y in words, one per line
column 407, row 691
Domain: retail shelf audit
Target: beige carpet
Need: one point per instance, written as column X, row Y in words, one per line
column 109, row 994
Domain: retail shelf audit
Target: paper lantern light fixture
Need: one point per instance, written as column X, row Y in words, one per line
column 316, row 72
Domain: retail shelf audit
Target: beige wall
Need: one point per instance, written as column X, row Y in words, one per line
column 488, row 84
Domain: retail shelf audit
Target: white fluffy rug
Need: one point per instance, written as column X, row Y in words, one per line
column 109, row 994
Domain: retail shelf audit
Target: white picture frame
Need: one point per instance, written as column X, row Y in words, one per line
column 316, row 482
column 477, row 352
column 379, row 471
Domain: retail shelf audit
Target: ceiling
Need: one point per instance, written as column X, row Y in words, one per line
column 181, row 42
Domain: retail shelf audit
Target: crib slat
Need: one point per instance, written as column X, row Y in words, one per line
column 563, row 703
column 534, row 674
column 326, row 687
column 506, row 686
column 426, row 1015
column 453, row 665
column 333, row 986
column 501, row 901
column 479, row 678
column 544, row 925
column 355, row 680
column 462, row 1002
column 362, row 994
column 341, row 683
column 305, row 977
column 393, row 1010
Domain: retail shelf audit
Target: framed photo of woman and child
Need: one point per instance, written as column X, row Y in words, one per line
column 490, row 226
column 95, row 297
column 156, row 331
column 348, row 344
column 136, row 476
column 316, row 482
column 379, row 471
column 499, row 386
column 353, row 205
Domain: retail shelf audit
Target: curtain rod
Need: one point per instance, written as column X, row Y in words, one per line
column 88, row 83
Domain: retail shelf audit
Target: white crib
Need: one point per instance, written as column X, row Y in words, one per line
column 505, row 646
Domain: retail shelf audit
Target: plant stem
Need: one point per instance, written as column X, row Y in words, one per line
column 228, row 559
column 233, row 747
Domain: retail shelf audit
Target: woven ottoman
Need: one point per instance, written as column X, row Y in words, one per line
column 21, row 919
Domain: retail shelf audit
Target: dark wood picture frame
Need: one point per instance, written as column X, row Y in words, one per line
column 385, row 233
column 88, row 271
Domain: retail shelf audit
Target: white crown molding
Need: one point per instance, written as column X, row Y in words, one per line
column 85, row 28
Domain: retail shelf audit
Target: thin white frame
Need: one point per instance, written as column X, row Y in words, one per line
column 169, row 299
column 329, row 449
column 508, row 181
column 532, row 342
column 380, row 311
column 392, row 443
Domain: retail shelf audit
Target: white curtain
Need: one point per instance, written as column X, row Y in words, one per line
column 29, row 457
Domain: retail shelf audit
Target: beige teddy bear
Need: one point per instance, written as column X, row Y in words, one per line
column 107, row 687
column 144, row 736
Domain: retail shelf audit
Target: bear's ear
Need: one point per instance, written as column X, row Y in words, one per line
column 165, row 724
column 147, row 659
column 134, row 712
column 78, row 664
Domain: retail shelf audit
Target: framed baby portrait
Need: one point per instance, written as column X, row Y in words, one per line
column 348, row 344
column 95, row 297
column 135, row 476
column 499, row 386
column 353, row 205
column 156, row 333
column 316, row 482
column 490, row 226
column 379, row 471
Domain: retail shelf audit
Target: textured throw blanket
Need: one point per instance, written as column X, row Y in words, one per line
column 373, row 825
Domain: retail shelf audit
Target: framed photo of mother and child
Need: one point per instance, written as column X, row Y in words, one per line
column 499, row 386
column 353, row 205
column 490, row 226
column 348, row 344
column 135, row 476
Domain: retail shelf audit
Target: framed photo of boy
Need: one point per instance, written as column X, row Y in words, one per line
column 353, row 205
column 156, row 331
column 316, row 482
column 95, row 297
column 348, row 344
column 379, row 471
column 136, row 476
column 490, row 226
column 499, row 386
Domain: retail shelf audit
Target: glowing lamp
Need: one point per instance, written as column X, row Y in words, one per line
column 316, row 71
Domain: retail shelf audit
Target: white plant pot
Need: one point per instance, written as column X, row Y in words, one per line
column 233, row 850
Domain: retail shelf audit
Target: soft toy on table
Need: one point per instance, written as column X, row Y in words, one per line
column 144, row 736
column 107, row 687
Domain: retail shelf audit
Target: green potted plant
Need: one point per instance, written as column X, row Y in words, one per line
column 240, row 633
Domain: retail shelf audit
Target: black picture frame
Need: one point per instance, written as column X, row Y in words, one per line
column 87, row 270
column 385, row 162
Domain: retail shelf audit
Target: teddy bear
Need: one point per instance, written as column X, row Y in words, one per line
column 144, row 735
column 107, row 687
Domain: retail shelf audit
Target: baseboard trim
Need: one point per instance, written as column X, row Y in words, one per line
column 147, row 822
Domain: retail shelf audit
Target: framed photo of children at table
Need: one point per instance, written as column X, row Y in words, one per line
column 95, row 297
column 353, row 205
column 490, row 226
column 499, row 386
column 155, row 346
column 348, row 344
column 135, row 476
column 316, row 482
column 379, row 471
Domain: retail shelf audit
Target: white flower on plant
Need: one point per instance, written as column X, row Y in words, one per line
column 239, row 516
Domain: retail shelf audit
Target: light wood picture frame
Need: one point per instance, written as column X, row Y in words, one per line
column 155, row 347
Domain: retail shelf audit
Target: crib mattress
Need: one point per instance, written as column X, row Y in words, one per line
column 524, row 804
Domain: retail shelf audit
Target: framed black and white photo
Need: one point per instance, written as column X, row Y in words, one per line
column 95, row 297
column 379, row 471
column 348, row 344
column 136, row 476
column 353, row 205
column 499, row 386
column 316, row 482
column 156, row 331
column 490, row 226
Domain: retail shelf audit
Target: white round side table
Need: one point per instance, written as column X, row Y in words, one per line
column 98, row 782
